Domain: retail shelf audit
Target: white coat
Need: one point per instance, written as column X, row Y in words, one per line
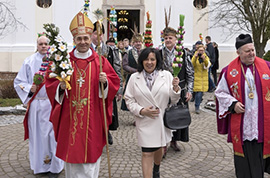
column 151, row 132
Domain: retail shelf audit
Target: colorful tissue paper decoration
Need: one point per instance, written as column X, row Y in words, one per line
column 113, row 20
column 179, row 48
column 39, row 76
column 161, row 38
column 60, row 65
column 41, row 34
column 148, row 32
column 86, row 8
column 201, row 37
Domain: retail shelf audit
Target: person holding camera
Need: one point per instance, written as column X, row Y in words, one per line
column 201, row 63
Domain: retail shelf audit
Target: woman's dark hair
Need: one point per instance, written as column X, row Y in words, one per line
column 144, row 55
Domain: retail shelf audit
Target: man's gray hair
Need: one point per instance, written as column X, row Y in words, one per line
column 48, row 40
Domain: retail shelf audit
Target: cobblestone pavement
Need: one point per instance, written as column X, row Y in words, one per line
column 207, row 154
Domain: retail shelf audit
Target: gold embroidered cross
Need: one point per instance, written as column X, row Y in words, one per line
column 81, row 81
column 236, row 139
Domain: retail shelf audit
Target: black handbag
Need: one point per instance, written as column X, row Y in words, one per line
column 177, row 117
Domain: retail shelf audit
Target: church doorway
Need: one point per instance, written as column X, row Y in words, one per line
column 125, row 22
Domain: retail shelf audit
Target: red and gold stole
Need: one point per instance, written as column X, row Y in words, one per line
column 234, row 83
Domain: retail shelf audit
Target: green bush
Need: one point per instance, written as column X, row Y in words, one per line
column 10, row 102
column 266, row 56
column 7, row 90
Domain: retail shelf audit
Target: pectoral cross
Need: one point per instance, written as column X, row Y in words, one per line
column 81, row 81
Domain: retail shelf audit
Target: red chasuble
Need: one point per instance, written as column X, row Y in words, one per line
column 79, row 122
column 234, row 82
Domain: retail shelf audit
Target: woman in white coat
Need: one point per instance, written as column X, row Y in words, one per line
column 147, row 96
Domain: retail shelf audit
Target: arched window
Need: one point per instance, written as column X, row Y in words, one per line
column 44, row 3
column 200, row 4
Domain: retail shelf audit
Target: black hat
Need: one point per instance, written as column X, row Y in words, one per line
column 95, row 27
column 111, row 39
column 242, row 39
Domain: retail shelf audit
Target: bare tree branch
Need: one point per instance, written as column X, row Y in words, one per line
column 252, row 16
column 8, row 22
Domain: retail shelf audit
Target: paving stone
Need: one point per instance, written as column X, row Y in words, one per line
column 207, row 154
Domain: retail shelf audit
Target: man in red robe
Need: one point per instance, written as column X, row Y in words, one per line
column 243, row 102
column 77, row 114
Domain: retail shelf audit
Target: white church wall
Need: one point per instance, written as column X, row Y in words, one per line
column 15, row 47
column 63, row 13
column 177, row 7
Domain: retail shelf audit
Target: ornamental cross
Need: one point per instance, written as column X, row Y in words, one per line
column 81, row 81
column 236, row 139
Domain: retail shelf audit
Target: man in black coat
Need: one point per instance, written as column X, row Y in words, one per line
column 211, row 51
column 186, row 76
column 216, row 63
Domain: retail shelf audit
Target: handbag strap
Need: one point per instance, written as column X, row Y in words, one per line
column 180, row 102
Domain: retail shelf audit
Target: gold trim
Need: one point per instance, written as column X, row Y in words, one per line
column 78, row 103
column 250, row 95
column 266, row 156
column 70, row 116
column 239, row 154
column 88, row 113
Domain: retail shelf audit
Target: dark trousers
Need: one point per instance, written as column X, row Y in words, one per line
column 182, row 134
column 252, row 165
column 211, row 84
column 115, row 124
column 214, row 72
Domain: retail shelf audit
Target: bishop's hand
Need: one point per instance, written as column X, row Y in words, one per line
column 103, row 77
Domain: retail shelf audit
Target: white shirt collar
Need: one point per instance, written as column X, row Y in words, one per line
column 94, row 46
column 170, row 51
column 83, row 55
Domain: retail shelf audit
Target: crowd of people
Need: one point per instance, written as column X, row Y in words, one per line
column 141, row 78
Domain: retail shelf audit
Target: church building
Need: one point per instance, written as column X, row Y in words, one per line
column 16, row 46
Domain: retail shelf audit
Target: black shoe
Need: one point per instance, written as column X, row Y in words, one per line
column 174, row 146
column 110, row 138
column 53, row 175
column 156, row 174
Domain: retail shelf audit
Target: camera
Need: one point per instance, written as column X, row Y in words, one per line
column 200, row 58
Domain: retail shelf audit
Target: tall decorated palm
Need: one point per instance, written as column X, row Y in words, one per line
column 179, row 48
column 86, row 8
column 113, row 23
column 148, row 32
